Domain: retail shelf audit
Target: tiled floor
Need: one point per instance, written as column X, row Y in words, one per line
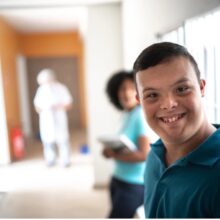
column 29, row 189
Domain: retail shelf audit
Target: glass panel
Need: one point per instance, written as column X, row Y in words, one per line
column 201, row 36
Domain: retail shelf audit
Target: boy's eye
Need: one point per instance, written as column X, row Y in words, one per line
column 182, row 89
column 151, row 96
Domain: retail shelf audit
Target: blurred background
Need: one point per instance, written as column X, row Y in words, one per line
column 84, row 41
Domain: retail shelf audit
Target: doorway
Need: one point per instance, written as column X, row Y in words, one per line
column 66, row 69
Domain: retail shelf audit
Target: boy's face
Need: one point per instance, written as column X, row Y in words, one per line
column 170, row 95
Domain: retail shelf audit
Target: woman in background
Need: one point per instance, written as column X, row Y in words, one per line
column 127, row 183
column 52, row 101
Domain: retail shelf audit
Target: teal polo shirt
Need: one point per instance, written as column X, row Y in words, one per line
column 189, row 188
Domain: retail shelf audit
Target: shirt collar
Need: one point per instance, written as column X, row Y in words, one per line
column 207, row 153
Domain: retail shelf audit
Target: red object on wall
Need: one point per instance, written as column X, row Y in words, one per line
column 17, row 139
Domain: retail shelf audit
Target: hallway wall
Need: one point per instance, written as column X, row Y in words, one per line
column 143, row 20
column 103, row 57
column 9, row 49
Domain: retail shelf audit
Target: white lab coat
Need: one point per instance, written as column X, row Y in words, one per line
column 53, row 122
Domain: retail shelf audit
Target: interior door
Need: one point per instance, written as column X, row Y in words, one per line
column 66, row 69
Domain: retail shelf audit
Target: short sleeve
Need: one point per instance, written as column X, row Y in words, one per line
column 141, row 124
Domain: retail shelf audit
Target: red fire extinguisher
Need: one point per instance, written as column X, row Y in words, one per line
column 17, row 143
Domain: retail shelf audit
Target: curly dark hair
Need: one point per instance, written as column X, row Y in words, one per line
column 113, row 85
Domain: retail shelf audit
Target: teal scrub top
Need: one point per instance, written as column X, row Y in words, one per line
column 189, row 188
column 133, row 126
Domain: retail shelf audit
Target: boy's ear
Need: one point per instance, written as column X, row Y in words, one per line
column 202, row 87
column 137, row 98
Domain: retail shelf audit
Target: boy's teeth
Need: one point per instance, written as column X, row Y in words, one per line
column 171, row 119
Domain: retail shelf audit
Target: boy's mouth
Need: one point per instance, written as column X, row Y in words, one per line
column 172, row 119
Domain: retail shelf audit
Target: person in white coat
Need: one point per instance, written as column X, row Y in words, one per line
column 52, row 100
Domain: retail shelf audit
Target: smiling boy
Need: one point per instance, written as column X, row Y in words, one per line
column 182, row 177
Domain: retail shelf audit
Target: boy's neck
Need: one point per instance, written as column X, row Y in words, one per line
column 175, row 152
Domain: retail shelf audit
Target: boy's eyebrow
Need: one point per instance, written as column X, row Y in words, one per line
column 148, row 89
column 181, row 81
column 177, row 82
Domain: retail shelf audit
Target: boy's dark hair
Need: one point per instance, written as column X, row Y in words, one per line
column 160, row 53
column 113, row 85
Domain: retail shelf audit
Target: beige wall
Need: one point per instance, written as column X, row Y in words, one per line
column 51, row 44
column 9, row 49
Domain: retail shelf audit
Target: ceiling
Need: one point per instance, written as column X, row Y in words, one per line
column 27, row 16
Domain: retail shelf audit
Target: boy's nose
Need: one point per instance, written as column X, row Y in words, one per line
column 169, row 102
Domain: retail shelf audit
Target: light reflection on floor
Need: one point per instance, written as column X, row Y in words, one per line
column 29, row 189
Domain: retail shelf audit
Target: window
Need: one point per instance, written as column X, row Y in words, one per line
column 201, row 36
